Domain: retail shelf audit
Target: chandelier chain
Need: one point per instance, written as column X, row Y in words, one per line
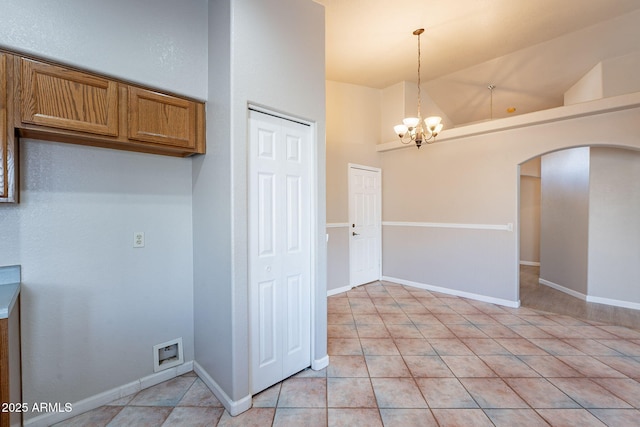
column 419, row 95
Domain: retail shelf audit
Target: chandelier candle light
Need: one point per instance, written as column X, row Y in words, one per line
column 413, row 129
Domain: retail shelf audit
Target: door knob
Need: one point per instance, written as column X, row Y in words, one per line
column 355, row 234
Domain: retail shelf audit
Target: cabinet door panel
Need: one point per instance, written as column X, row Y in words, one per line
column 3, row 127
column 67, row 99
column 8, row 153
column 162, row 119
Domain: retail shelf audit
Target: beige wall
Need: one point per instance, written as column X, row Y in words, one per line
column 530, row 212
column 353, row 117
column 614, row 209
column 590, row 206
column 529, row 220
column 564, row 220
column 474, row 180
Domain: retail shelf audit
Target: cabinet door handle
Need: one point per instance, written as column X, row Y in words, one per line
column 355, row 234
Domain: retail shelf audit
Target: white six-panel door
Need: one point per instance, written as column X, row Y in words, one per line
column 364, row 224
column 279, row 248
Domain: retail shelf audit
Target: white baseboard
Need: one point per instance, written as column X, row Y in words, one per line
column 531, row 263
column 108, row 396
column 614, row 302
column 318, row 364
column 234, row 407
column 562, row 289
column 337, row 291
column 591, row 298
column 477, row 297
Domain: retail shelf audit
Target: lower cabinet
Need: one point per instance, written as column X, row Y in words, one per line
column 10, row 370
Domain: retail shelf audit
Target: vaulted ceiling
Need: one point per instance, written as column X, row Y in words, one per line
column 531, row 50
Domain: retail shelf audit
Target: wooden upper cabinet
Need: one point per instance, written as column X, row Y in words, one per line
column 8, row 153
column 68, row 99
column 161, row 119
column 43, row 100
column 68, row 105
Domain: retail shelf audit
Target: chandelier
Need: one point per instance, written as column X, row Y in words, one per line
column 414, row 129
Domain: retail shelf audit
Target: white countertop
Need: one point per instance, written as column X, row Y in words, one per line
column 9, row 289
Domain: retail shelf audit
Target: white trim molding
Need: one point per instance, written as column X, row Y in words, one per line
column 614, row 302
column 583, row 109
column 562, row 289
column 98, row 400
column 337, row 224
column 530, row 263
column 319, row 364
column 500, row 227
column 339, row 290
column 477, row 297
column 234, row 407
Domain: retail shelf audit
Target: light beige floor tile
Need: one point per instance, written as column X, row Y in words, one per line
column 254, row 417
column 267, row 398
column 387, row 366
column 193, row 417
column 347, row 366
column 540, row 393
column 445, row 393
column 138, row 416
column 570, row 418
column 397, row 393
column 296, row 417
column 353, row 417
column 484, row 346
column 588, row 393
column 461, row 417
column 350, row 393
column 379, row 347
column 468, row 366
column 199, row 395
column 492, row 393
column 373, row 331
column 403, row 331
column 344, row 347
column 427, row 367
column 557, row 347
column 617, row 417
column 626, row 389
column 521, row 347
column 515, row 418
column 414, row 347
column 340, row 319
column 590, row 367
column 168, row 393
column 407, row 418
column 550, row 366
column 303, row 393
column 592, row 347
column 626, row 365
column 450, row 347
column 98, row 417
column 509, row 366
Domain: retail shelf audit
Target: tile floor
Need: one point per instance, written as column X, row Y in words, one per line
column 400, row 356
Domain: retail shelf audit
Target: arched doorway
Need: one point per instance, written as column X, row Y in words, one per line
column 589, row 202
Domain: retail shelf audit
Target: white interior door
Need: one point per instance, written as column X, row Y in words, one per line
column 365, row 234
column 279, row 248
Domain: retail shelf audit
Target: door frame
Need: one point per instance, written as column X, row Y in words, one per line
column 314, row 237
column 377, row 170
